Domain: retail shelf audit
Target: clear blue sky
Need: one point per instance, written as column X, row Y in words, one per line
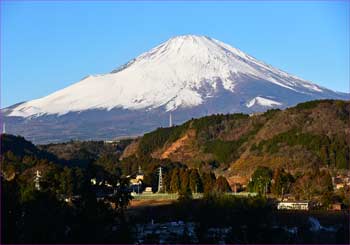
column 46, row 46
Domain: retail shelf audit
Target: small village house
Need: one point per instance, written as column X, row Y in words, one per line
column 293, row 205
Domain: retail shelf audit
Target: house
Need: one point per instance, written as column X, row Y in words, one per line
column 136, row 183
column 295, row 205
column 148, row 190
column 341, row 181
column 139, row 177
column 339, row 186
column 335, row 207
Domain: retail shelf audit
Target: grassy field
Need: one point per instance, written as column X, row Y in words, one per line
column 175, row 196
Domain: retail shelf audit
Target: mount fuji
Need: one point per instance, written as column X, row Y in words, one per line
column 187, row 76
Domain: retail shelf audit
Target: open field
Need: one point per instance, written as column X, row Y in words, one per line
column 149, row 203
column 175, row 196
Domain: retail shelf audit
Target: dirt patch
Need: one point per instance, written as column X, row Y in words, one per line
column 149, row 203
column 175, row 146
column 130, row 149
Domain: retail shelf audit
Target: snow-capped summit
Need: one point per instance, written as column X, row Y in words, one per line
column 191, row 73
column 172, row 74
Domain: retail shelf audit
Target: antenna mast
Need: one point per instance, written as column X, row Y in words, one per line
column 170, row 120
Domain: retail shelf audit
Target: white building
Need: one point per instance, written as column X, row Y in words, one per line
column 148, row 190
column 303, row 205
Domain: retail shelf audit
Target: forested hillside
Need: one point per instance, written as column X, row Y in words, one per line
column 311, row 134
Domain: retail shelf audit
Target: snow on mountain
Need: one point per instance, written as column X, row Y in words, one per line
column 182, row 72
column 262, row 102
column 191, row 76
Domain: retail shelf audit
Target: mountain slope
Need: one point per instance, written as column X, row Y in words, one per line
column 311, row 134
column 190, row 75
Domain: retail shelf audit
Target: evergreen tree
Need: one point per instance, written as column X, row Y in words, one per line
column 326, row 181
column 166, row 181
column 121, row 197
column 261, row 180
column 184, row 179
column 195, row 181
column 282, row 182
column 185, row 194
column 324, row 154
column 175, row 181
column 67, row 182
column 208, row 180
column 342, row 160
column 222, row 185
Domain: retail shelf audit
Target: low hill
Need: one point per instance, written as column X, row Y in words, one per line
column 20, row 147
column 81, row 153
column 311, row 134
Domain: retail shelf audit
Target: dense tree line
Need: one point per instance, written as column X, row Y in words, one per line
column 21, row 147
column 191, row 180
column 304, row 186
column 208, row 127
column 83, row 153
column 314, row 103
column 223, row 151
column 332, row 151
column 341, row 107
column 32, row 216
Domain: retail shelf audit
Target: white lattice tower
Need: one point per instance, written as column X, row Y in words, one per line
column 37, row 180
column 160, row 180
